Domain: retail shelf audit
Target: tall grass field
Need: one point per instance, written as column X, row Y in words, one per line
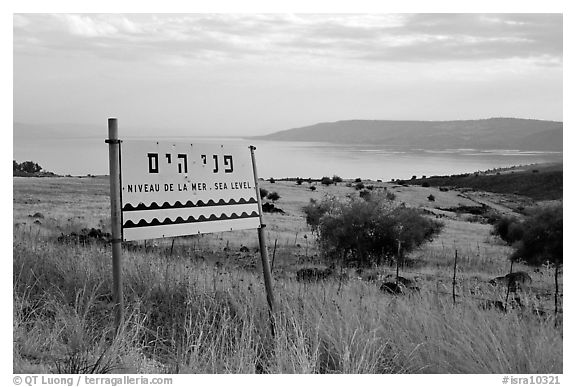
column 198, row 304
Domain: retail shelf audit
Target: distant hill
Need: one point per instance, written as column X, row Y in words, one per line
column 23, row 131
column 492, row 133
column 541, row 182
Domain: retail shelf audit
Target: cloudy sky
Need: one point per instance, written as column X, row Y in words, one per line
column 227, row 74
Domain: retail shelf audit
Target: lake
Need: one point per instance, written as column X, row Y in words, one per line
column 291, row 159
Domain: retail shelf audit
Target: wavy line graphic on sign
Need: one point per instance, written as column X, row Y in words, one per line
column 189, row 204
column 190, row 219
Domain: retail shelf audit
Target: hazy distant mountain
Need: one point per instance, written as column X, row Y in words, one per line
column 22, row 131
column 492, row 133
column 26, row 132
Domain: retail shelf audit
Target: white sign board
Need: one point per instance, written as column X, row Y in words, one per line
column 171, row 189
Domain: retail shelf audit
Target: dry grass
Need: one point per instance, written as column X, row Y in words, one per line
column 187, row 315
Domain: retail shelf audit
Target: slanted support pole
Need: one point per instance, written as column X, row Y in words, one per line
column 454, row 277
column 116, row 220
column 263, row 248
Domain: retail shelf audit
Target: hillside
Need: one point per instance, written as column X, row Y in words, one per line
column 538, row 183
column 493, row 133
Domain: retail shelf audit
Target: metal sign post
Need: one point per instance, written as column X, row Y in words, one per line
column 262, row 241
column 116, row 220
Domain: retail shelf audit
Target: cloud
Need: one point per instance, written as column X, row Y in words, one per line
column 357, row 37
column 441, row 37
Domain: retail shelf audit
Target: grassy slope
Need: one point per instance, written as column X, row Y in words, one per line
column 187, row 315
column 544, row 184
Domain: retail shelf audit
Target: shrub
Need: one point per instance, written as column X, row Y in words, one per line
column 273, row 196
column 326, row 181
column 299, row 181
column 26, row 166
column 508, row 229
column 357, row 180
column 365, row 194
column 314, row 211
column 359, row 186
column 390, row 195
column 541, row 237
column 425, row 184
column 364, row 230
column 263, row 192
column 431, row 198
column 413, row 177
column 312, row 188
column 271, row 180
column 336, row 179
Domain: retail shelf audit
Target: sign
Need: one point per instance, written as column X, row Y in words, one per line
column 177, row 188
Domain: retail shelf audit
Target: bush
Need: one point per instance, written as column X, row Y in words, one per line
column 336, row 179
column 508, row 229
column 365, row 194
column 312, row 188
column 359, row 186
column 26, row 166
column 390, row 195
column 273, row 196
column 271, row 180
column 365, row 230
column 314, row 211
column 541, row 238
column 299, row 181
column 326, row 181
column 425, row 184
column 357, row 180
column 431, row 198
column 263, row 193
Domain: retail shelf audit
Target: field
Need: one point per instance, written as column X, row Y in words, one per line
column 197, row 304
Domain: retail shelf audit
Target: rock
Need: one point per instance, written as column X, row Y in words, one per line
column 391, row 288
column 516, row 281
column 271, row 208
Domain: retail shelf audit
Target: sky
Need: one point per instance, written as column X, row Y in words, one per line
column 252, row 74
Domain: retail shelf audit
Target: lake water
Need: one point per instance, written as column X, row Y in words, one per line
column 291, row 159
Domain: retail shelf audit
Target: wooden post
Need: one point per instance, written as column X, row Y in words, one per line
column 556, row 292
column 172, row 246
column 508, row 288
column 454, row 277
column 263, row 248
column 273, row 255
column 116, row 220
column 398, row 262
